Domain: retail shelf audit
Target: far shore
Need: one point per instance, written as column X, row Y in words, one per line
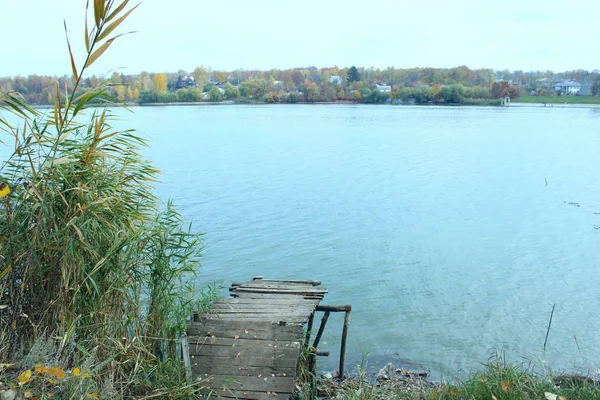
column 514, row 103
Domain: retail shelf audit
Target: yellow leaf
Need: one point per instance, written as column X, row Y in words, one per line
column 57, row 372
column 505, row 386
column 27, row 394
column 24, row 377
column 98, row 52
column 86, row 375
column 435, row 395
column 76, row 371
column 452, row 392
column 40, row 369
column 91, row 395
column 4, row 189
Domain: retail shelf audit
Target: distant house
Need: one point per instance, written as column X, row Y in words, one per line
column 383, row 88
column 567, row 88
column 336, row 80
column 185, row 82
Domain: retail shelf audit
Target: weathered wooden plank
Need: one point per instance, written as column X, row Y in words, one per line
column 257, row 305
column 239, row 342
column 205, row 363
column 203, row 367
column 266, row 301
column 301, row 290
column 258, row 295
column 259, row 311
column 240, row 326
column 245, row 394
column 267, row 318
column 254, row 383
column 287, row 286
column 308, row 282
column 241, row 352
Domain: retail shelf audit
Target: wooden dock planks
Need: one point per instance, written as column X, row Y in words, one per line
column 250, row 344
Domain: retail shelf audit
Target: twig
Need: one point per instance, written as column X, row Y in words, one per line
column 546, row 182
column 549, row 324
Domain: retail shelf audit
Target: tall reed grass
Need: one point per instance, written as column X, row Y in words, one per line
column 89, row 256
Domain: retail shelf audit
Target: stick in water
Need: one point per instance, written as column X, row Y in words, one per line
column 549, row 324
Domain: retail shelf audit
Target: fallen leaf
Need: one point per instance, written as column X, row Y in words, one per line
column 506, row 386
column 494, row 397
column 24, row 377
column 57, row 372
column 40, row 369
column 76, row 371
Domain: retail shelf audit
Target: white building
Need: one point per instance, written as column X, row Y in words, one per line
column 567, row 88
column 383, row 88
column 336, row 80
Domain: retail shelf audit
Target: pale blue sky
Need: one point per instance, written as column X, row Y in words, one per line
column 262, row 34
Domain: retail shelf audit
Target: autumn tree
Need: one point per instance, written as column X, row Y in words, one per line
column 502, row 89
column 221, row 76
column 313, row 92
column 297, row 77
column 160, row 82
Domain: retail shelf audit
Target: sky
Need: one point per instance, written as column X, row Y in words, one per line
column 527, row 35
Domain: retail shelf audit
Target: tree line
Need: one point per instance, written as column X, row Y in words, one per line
column 310, row 84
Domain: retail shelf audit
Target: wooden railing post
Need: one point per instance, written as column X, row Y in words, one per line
column 343, row 346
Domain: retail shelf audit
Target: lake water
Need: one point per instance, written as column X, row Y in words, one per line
column 450, row 231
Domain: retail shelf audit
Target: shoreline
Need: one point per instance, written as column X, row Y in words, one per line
column 232, row 103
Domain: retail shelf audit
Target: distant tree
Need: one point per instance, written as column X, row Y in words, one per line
column 208, row 86
column 421, row 94
column 215, row 94
column 221, row 76
column 313, row 92
column 453, row 94
column 256, row 88
column 501, row 89
column 596, row 87
column 200, row 76
column 190, row 94
column 271, row 97
column 297, row 77
column 406, row 93
column 353, row 74
column 292, row 98
column 160, row 82
column 231, row 92
column 435, row 92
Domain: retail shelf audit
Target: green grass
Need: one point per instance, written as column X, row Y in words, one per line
column 558, row 99
column 498, row 380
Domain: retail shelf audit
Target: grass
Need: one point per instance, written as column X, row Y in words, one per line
column 96, row 274
column 558, row 99
column 498, row 380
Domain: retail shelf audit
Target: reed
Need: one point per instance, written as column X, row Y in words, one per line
column 89, row 257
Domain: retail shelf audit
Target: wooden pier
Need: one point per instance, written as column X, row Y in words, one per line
column 250, row 344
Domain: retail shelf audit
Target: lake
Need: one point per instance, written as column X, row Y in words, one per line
column 450, row 230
